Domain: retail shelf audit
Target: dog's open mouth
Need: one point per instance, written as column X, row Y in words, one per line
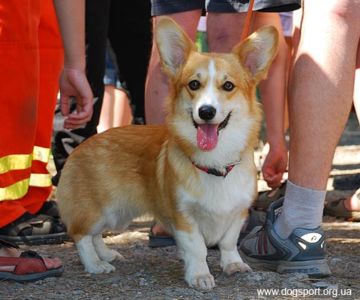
column 207, row 134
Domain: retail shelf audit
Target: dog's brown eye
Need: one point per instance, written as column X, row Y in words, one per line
column 228, row 86
column 194, row 85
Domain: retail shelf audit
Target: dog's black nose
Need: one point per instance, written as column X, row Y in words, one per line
column 207, row 112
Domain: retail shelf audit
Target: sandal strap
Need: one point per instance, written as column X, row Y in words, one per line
column 30, row 254
column 6, row 244
column 17, row 226
column 25, row 265
column 33, row 226
column 49, row 208
column 339, row 208
column 44, row 224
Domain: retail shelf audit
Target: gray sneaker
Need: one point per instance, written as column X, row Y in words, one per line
column 302, row 252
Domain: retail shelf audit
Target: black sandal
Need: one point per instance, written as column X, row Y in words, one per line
column 34, row 230
column 338, row 209
column 158, row 240
column 49, row 208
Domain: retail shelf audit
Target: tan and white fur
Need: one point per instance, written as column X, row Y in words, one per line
column 122, row 173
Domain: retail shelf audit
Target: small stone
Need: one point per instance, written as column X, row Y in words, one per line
column 143, row 282
column 325, row 285
column 77, row 292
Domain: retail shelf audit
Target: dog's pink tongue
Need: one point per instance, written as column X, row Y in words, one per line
column 207, row 136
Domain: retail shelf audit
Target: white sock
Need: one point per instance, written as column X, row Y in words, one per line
column 302, row 208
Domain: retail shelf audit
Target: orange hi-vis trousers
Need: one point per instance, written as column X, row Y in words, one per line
column 31, row 58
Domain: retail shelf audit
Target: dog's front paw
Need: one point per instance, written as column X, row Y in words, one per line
column 236, row 267
column 111, row 255
column 100, row 267
column 203, row 282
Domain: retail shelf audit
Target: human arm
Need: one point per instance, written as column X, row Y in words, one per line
column 276, row 160
column 73, row 81
column 273, row 97
column 275, row 165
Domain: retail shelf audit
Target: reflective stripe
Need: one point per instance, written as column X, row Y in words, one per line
column 40, row 180
column 41, row 154
column 23, row 161
column 14, row 191
column 20, row 188
column 15, row 162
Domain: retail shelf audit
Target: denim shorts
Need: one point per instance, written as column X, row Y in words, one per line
column 286, row 23
column 165, row 7
column 111, row 75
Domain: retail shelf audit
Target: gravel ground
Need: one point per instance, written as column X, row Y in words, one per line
column 158, row 273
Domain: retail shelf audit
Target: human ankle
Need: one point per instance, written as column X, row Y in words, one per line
column 352, row 203
column 302, row 208
column 9, row 252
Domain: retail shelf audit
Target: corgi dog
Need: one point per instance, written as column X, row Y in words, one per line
column 195, row 174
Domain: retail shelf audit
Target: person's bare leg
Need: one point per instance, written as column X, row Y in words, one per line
column 273, row 96
column 8, row 252
column 107, row 109
column 322, row 88
column 320, row 100
column 224, row 30
column 352, row 203
column 122, row 111
column 156, row 89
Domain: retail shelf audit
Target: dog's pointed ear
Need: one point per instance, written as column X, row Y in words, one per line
column 173, row 44
column 257, row 51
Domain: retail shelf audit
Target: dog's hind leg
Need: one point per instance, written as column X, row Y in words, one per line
column 90, row 258
column 103, row 251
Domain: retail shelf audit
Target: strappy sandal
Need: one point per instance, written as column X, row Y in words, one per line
column 34, row 230
column 347, row 182
column 338, row 209
column 266, row 198
column 50, row 208
column 29, row 266
column 160, row 240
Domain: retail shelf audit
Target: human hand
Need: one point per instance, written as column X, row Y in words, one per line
column 74, row 84
column 275, row 165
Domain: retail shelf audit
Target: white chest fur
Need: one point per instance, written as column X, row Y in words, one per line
column 218, row 200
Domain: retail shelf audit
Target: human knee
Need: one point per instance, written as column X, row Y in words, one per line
column 341, row 10
column 283, row 52
column 224, row 30
column 219, row 36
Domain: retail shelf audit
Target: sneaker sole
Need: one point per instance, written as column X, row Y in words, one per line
column 46, row 239
column 313, row 268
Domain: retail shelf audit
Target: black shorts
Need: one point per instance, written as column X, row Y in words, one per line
column 165, row 7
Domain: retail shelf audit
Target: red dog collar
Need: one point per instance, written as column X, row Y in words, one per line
column 217, row 172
